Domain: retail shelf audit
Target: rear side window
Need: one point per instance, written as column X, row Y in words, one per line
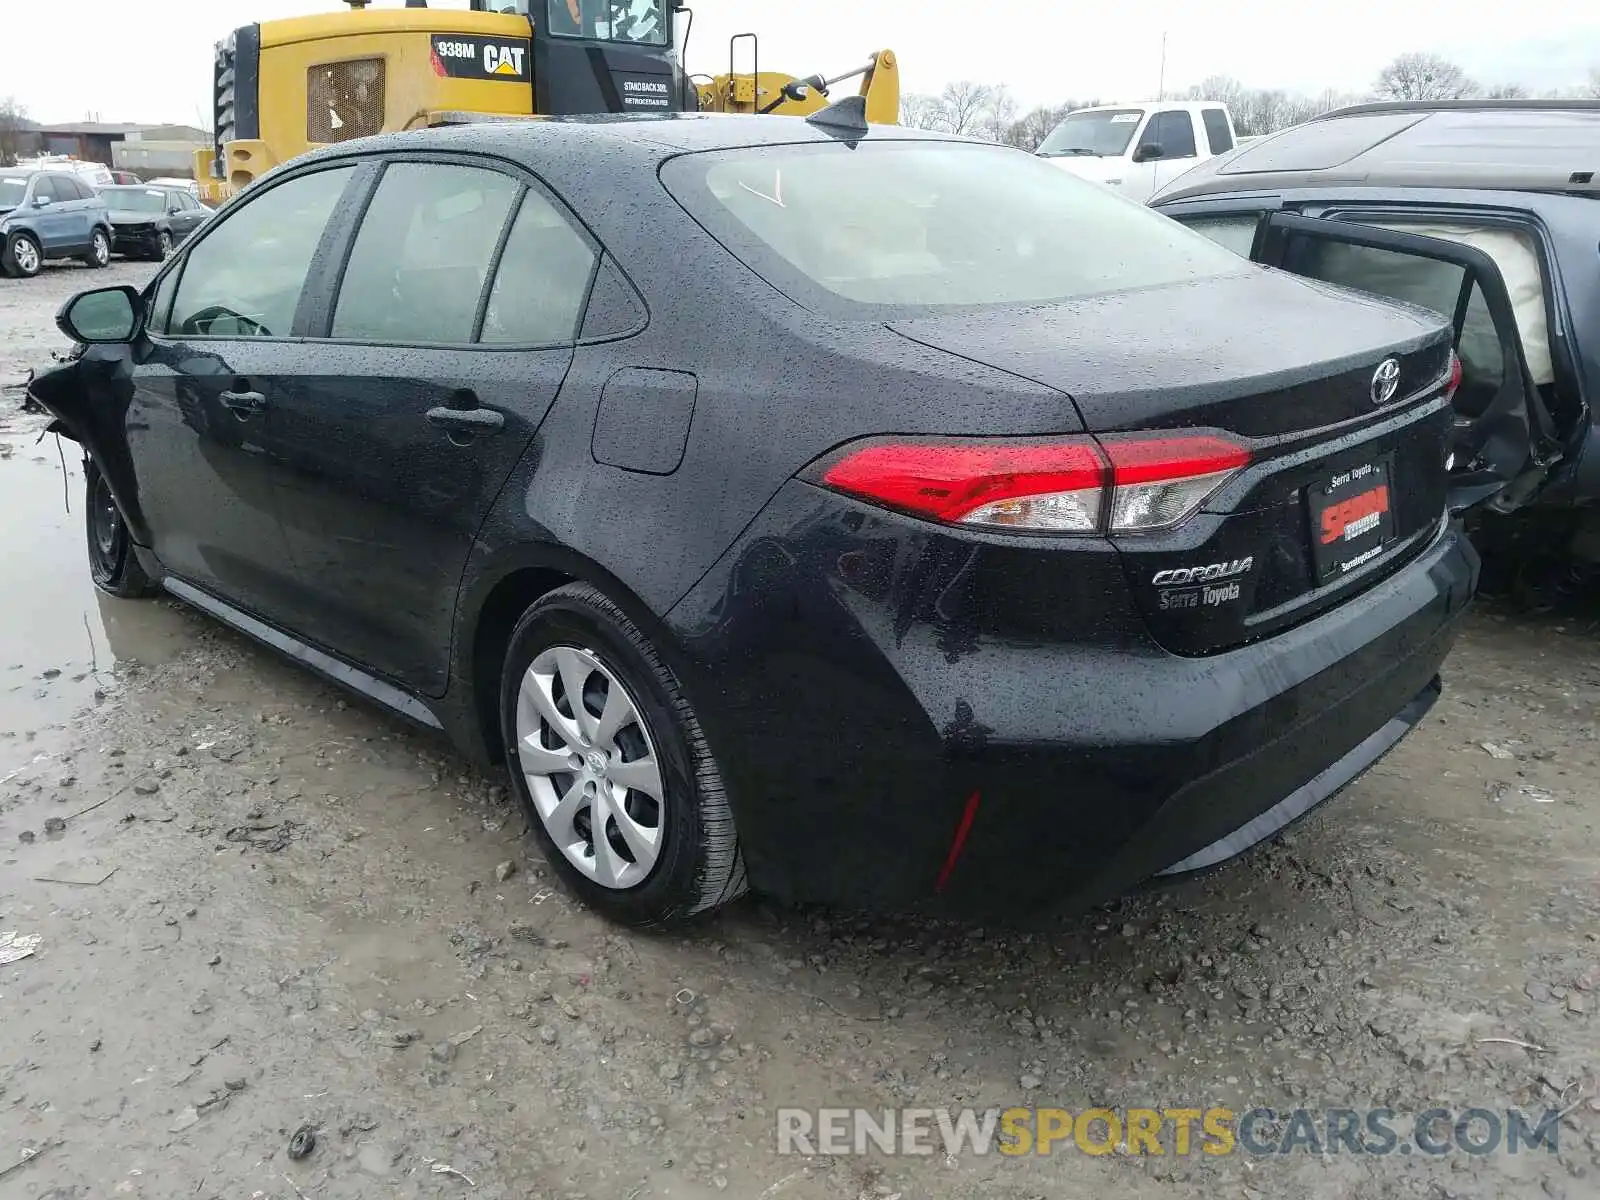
column 420, row 262
column 245, row 277
column 1427, row 282
column 908, row 228
column 1173, row 131
column 542, row 281
column 1217, row 132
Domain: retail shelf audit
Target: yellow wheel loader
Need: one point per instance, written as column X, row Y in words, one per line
column 285, row 87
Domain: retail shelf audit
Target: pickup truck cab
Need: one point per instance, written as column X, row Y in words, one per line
column 1137, row 149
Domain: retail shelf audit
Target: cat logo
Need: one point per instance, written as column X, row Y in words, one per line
column 503, row 60
column 458, row 57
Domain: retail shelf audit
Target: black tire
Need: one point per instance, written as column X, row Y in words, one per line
column 22, row 257
column 700, row 867
column 113, row 565
column 99, row 254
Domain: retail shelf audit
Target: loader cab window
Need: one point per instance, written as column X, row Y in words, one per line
column 639, row 22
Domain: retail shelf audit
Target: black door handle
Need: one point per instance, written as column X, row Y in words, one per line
column 468, row 420
column 243, row 404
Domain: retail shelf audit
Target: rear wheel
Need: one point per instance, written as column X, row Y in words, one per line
column 619, row 783
column 22, row 257
column 99, row 254
column 113, row 565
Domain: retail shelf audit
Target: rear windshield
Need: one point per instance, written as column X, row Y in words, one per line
column 901, row 229
column 1103, row 131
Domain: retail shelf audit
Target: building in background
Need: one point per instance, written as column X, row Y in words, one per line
column 147, row 150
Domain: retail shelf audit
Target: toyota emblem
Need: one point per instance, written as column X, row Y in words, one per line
column 1385, row 381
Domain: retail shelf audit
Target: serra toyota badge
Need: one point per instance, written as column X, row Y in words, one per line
column 456, row 56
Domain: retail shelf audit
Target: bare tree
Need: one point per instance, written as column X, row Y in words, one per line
column 1260, row 111
column 1420, row 76
column 999, row 115
column 13, row 124
column 921, row 111
column 1030, row 130
column 965, row 106
column 1594, row 83
column 1505, row 91
column 1223, row 88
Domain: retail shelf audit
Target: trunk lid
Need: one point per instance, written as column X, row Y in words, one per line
column 1347, row 479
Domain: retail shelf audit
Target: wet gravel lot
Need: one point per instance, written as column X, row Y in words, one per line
column 264, row 906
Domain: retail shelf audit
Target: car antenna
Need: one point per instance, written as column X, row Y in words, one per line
column 847, row 115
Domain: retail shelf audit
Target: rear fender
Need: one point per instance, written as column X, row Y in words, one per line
column 89, row 399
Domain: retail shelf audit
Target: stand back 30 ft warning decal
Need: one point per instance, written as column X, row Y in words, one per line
column 457, row 56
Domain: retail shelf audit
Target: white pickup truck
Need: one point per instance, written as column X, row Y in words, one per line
column 1138, row 149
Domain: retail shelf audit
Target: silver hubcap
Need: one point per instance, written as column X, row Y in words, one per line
column 27, row 257
column 591, row 766
column 102, row 248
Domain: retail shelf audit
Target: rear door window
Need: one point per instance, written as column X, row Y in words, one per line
column 1217, row 132
column 1428, row 283
column 423, row 255
column 1237, row 233
column 44, row 188
column 244, row 278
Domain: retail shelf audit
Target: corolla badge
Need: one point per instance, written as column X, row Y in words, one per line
column 1385, row 381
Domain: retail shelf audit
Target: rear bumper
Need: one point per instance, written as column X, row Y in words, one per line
column 861, row 678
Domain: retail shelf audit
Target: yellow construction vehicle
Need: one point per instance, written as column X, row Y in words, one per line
column 285, row 87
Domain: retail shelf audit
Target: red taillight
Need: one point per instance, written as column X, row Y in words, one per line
column 1121, row 484
column 979, row 481
column 1159, row 481
column 1455, row 376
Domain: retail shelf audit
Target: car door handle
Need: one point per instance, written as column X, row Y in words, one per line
column 468, row 420
column 244, row 404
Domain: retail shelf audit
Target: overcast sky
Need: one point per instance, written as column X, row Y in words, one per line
column 149, row 60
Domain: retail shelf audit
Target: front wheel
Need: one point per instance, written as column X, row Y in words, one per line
column 604, row 748
column 99, row 254
column 163, row 246
column 113, row 565
column 22, row 258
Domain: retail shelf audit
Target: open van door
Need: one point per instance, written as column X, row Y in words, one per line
column 1505, row 444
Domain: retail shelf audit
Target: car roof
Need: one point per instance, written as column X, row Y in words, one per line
column 1515, row 145
column 654, row 136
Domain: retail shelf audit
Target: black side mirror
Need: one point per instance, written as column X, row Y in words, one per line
column 104, row 315
column 1148, row 152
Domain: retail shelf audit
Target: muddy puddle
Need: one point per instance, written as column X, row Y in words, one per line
column 62, row 637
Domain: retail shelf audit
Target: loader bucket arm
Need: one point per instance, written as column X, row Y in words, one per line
column 774, row 93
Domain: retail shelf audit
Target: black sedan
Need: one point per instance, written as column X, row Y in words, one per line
column 866, row 516
column 150, row 222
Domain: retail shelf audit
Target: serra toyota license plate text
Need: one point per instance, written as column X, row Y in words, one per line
column 1352, row 517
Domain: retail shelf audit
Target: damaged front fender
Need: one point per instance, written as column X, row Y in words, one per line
column 88, row 399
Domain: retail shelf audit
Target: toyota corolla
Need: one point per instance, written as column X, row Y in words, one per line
column 863, row 516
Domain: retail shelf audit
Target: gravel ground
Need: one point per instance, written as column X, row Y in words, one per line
column 263, row 905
